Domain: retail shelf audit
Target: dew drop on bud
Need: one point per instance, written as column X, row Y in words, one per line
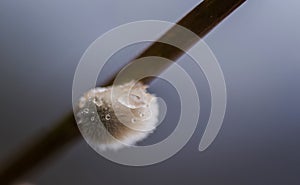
column 107, row 117
column 86, row 110
column 97, row 102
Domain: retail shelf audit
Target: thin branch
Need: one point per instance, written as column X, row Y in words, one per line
column 200, row 20
column 43, row 146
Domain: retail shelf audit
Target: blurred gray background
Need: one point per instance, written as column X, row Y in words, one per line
column 41, row 43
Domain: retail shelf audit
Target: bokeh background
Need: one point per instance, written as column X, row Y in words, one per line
column 41, row 43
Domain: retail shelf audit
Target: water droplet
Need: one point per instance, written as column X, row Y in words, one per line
column 133, row 120
column 107, row 117
column 131, row 101
column 142, row 114
column 135, row 97
column 97, row 102
column 92, row 118
column 90, row 98
column 86, row 110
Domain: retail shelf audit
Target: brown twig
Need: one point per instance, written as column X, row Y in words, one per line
column 200, row 20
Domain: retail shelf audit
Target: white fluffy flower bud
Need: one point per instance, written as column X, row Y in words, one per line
column 117, row 116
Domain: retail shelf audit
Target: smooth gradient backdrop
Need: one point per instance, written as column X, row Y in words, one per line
column 258, row 48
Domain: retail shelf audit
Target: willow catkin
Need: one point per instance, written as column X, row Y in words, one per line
column 118, row 116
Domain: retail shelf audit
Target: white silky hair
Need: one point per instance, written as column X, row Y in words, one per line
column 117, row 116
